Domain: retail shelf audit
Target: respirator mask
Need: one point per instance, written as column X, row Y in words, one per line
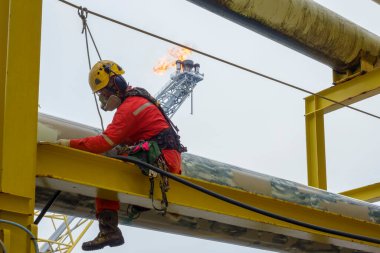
column 109, row 96
column 110, row 103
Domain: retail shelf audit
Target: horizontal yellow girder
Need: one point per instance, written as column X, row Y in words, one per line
column 346, row 93
column 369, row 193
column 349, row 92
column 110, row 178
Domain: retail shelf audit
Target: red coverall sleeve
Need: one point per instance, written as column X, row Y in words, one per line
column 116, row 132
column 94, row 144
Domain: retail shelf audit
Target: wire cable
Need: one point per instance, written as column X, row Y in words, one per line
column 243, row 205
column 100, row 58
column 25, row 229
column 93, row 42
column 3, row 246
column 46, row 207
column 222, row 60
column 83, row 14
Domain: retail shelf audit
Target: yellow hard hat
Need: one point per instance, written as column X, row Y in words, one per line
column 101, row 72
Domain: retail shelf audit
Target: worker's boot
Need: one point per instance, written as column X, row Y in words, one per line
column 109, row 235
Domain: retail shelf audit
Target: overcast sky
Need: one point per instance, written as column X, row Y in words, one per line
column 239, row 118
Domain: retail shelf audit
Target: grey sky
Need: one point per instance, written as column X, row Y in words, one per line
column 238, row 118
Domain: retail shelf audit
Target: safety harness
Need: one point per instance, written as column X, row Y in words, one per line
column 150, row 150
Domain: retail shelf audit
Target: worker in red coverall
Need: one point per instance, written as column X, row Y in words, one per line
column 136, row 119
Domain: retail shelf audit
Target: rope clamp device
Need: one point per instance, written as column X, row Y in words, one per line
column 164, row 202
column 83, row 14
column 164, row 187
column 152, row 174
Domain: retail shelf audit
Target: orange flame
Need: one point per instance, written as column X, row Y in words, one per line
column 168, row 61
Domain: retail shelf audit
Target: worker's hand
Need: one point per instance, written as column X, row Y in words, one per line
column 63, row 142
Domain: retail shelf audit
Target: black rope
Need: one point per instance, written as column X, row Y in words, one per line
column 246, row 206
column 46, row 207
column 83, row 14
column 222, row 60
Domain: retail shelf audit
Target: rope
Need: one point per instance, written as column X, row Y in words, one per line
column 83, row 14
column 164, row 201
column 221, row 60
column 46, row 207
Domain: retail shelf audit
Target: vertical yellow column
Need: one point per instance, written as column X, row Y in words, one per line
column 315, row 144
column 20, row 36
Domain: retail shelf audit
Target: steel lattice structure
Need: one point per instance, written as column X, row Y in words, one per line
column 181, row 85
column 68, row 230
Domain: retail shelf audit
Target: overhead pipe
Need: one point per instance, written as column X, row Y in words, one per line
column 304, row 26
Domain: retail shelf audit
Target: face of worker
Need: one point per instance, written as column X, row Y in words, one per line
column 108, row 100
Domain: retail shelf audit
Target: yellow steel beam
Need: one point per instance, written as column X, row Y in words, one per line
column 6, row 234
column 112, row 179
column 349, row 92
column 369, row 193
column 20, row 33
column 315, row 144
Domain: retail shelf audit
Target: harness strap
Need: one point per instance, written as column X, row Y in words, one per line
column 168, row 139
column 164, row 201
column 164, row 187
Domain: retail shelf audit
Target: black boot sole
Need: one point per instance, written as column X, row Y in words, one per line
column 115, row 244
column 94, row 248
column 98, row 247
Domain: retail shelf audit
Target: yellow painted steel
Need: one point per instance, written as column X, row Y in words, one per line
column 349, row 92
column 315, row 144
column 71, row 234
column 369, row 193
column 6, row 237
column 109, row 178
column 20, row 34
